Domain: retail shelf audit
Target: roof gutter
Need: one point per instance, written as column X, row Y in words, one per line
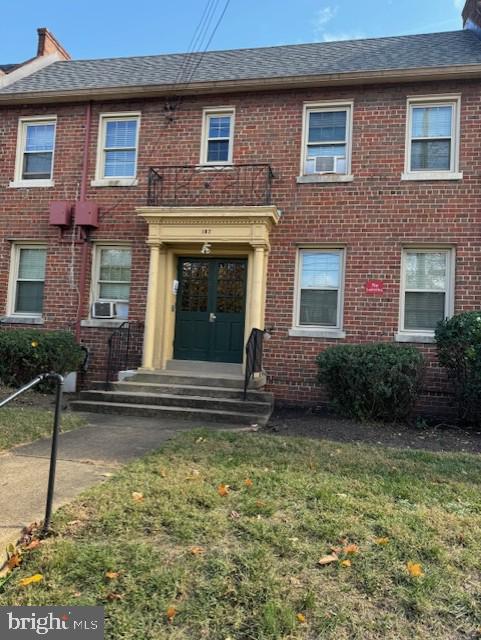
column 388, row 76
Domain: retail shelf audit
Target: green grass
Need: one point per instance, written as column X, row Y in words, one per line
column 22, row 424
column 260, row 570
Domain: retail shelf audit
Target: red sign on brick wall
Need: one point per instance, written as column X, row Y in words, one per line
column 374, row 287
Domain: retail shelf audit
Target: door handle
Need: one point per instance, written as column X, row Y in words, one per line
column 212, row 317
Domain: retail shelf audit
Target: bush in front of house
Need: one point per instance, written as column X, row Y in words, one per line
column 458, row 341
column 25, row 353
column 372, row 381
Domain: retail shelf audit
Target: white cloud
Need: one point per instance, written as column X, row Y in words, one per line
column 327, row 36
column 323, row 16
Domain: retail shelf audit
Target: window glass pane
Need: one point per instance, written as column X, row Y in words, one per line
column 39, row 137
column 320, row 270
column 218, row 151
column 327, row 126
column 112, row 291
column 32, row 264
column 115, row 264
column 422, row 311
column 29, row 297
column 318, row 307
column 121, row 133
column 37, row 166
column 119, row 163
column 431, row 122
column 431, row 154
column 426, row 271
column 327, row 150
column 219, row 126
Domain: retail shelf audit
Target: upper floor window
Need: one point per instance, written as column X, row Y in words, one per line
column 217, row 136
column 35, row 152
column 433, row 138
column 27, row 280
column 117, row 149
column 327, row 139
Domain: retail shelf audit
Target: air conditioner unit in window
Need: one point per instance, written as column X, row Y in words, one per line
column 326, row 164
column 104, row 310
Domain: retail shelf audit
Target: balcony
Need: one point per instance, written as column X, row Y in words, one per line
column 210, row 186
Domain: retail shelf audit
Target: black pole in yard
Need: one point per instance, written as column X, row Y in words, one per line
column 53, row 455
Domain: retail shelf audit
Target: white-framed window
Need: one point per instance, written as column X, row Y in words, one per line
column 319, row 290
column 112, row 276
column 432, row 140
column 27, row 280
column 35, row 151
column 117, row 149
column 327, row 139
column 217, row 136
column 427, row 289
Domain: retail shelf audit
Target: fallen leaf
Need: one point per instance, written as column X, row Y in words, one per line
column 248, row 483
column 382, row 541
column 223, row 490
column 114, row 596
column 171, row 613
column 33, row 545
column 351, row 549
column 301, row 618
column 199, row 440
column 112, row 575
column 194, row 474
column 14, row 561
column 346, row 563
column 415, row 570
column 137, row 496
column 24, row 582
column 328, row 559
column 197, row 551
column 77, row 594
column 234, row 515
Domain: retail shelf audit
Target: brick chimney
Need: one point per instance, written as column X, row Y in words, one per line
column 48, row 44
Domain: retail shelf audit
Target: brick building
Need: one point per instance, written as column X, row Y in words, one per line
column 328, row 192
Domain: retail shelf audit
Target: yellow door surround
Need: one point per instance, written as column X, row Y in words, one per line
column 183, row 231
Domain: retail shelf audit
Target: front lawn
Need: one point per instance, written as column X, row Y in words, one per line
column 219, row 536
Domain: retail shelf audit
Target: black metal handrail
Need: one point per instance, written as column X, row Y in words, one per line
column 210, row 185
column 124, row 349
column 254, row 356
column 56, row 427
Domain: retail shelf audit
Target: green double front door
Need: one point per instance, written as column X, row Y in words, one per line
column 210, row 309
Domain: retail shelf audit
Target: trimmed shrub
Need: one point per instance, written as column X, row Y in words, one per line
column 458, row 340
column 372, row 381
column 25, row 353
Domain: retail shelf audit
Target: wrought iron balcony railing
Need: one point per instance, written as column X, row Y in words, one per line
column 212, row 185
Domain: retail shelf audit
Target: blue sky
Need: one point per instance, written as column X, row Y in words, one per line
column 110, row 28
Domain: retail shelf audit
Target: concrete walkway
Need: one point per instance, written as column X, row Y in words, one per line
column 87, row 456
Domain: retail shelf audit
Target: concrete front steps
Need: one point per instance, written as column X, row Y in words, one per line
column 198, row 391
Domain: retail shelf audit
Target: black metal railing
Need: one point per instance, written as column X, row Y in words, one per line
column 58, row 379
column 254, row 356
column 212, row 185
column 124, row 349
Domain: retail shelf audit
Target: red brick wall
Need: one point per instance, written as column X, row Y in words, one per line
column 373, row 216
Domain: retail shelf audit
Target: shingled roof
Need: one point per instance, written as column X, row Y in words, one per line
column 436, row 50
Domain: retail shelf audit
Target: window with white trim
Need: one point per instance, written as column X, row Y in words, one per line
column 36, row 147
column 319, row 288
column 433, row 136
column 28, row 279
column 118, row 146
column 113, row 277
column 327, row 142
column 426, row 288
column 218, row 136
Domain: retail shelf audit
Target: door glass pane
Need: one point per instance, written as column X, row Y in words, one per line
column 431, row 155
column 230, row 287
column 422, row 311
column 32, row 264
column 431, row 122
column 318, row 307
column 320, row 270
column 29, row 297
column 327, row 126
column 426, row 271
column 194, row 286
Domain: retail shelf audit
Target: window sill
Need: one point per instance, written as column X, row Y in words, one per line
column 312, row 332
column 27, row 184
column 325, row 178
column 421, row 338
column 115, row 182
column 227, row 166
column 102, row 324
column 432, row 175
column 22, row 319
